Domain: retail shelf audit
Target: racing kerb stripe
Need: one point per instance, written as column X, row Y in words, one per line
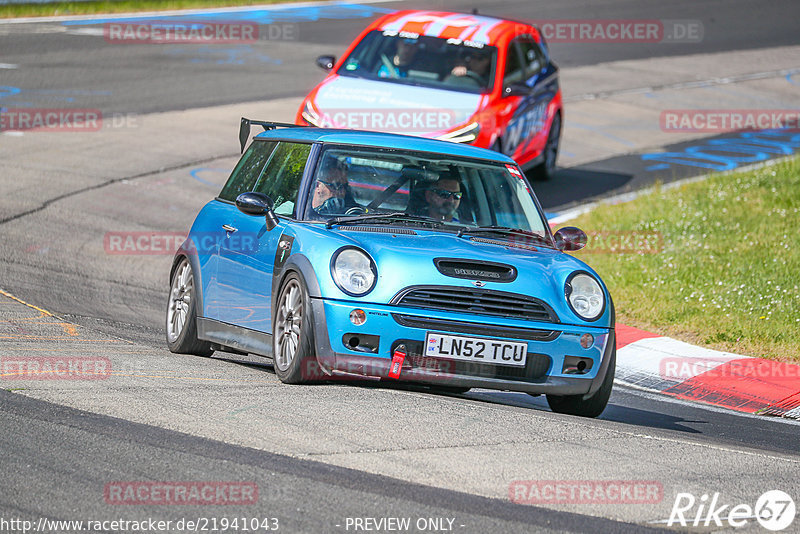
column 665, row 365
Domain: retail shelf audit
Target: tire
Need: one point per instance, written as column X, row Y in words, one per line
column 594, row 405
column 293, row 352
column 181, row 316
column 546, row 169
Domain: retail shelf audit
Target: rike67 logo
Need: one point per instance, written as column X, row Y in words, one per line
column 774, row 510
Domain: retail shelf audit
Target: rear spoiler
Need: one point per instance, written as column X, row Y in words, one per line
column 244, row 128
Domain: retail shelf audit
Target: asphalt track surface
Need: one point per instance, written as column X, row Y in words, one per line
column 57, row 457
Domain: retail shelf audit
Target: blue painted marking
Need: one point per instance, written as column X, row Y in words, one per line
column 791, row 78
column 285, row 14
column 729, row 153
column 238, row 55
column 550, row 215
column 7, row 90
column 195, row 172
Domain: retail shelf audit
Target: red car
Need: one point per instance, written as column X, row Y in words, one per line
column 465, row 78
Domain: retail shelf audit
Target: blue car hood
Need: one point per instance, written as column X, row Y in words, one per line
column 407, row 260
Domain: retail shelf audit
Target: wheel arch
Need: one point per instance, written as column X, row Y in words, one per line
column 181, row 254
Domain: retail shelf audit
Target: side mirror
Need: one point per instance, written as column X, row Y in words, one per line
column 516, row 89
column 326, row 62
column 570, row 239
column 258, row 204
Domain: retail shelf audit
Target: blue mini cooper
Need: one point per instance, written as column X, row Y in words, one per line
column 351, row 254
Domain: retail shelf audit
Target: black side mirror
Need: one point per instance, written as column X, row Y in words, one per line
column 570, row 239
column 258, row 204
column 326, row 62
column 516, row 89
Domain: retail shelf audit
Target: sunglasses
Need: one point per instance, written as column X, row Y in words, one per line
column 445, row 194
column 333, row 186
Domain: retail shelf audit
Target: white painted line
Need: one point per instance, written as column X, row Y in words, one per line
column 8, row 66
column 99, row 32
column 13, row 133
column 178, row 12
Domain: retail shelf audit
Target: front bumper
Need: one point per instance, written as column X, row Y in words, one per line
column 547, row 370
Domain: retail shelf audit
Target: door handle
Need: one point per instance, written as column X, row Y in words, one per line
column 228, row 228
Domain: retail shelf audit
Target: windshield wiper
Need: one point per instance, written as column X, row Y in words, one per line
column 504, row 230
column 399, row 217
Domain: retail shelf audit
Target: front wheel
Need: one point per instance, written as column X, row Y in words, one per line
column 594, row 405
column 546, row 169
column 181, row 317
column 292, row 334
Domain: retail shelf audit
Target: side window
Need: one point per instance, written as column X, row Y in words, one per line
column 514, row 68
column 533, row 58
column 281, row 179
column 245, row 175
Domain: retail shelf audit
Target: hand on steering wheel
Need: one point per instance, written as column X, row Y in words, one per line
column 356, row 210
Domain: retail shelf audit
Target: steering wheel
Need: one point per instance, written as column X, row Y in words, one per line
column 356, row 210
column 477, row 78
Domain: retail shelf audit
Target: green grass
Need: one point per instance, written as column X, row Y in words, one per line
column 118, row 6
column 728, row 276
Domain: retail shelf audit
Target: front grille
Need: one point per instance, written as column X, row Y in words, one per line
column 475, row 301
column 461, row 327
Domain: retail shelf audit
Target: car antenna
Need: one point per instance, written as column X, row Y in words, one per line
column 244, row 128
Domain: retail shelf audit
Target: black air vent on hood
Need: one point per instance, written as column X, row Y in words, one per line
column 476, row 270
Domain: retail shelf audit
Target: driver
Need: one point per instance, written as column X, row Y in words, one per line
column 332, row 195
column 474, row 71
column 443, row 198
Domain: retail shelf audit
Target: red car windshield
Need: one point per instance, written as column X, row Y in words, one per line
column 410, row 58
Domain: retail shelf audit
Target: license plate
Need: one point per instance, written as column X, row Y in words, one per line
column 476, row 349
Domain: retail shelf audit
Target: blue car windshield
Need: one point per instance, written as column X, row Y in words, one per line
column 409, row 58
column 455, row 192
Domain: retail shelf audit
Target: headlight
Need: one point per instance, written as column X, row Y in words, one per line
column 467, row 134
column 310, row 114
column 353, row 271
column 585, row 296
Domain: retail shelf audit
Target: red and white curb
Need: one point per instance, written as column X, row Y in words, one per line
column 664, row 365
column 684, row 371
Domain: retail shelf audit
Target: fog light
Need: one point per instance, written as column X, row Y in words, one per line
column 586, row 339
column 358, row 317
